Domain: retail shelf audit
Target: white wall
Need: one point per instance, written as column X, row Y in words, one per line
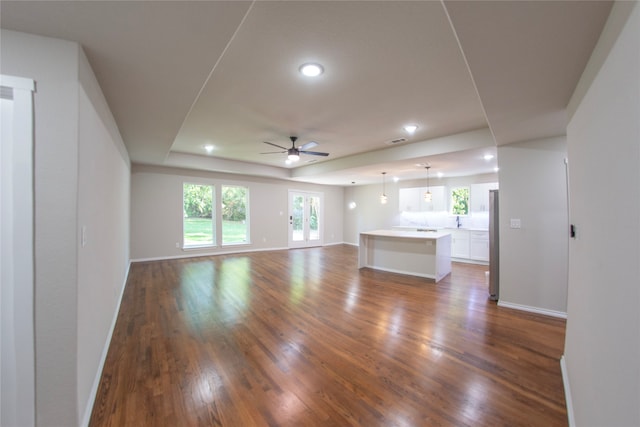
column 533, row 259
column 157, row 214
column 103, row 211
column 602, row 347
column 369, row 213
column 53, row 65
column 64, row 294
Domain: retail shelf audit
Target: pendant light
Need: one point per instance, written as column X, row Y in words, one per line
column 427, row 196
column 383, row 196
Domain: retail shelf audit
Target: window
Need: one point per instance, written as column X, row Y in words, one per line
column 235, row 227
column 198, row 223
column 460, row 201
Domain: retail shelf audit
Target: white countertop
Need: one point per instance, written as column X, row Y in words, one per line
column 416, row 228
column 465, row 228
column 427, row 235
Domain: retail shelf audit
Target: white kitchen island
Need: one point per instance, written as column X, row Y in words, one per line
column 418, row 253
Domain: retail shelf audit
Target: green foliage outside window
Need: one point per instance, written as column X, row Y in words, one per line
column 197, row 200
column 313, row 214
column 234, row 203
column 298, row 204
column 197, row 203
column 460, row 201
column 234, row 215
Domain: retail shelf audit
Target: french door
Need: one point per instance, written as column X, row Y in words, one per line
column 305, row 219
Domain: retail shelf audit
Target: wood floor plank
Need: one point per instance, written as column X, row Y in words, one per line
column 304, row 338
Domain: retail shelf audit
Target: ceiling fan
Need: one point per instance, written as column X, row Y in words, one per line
column 294, row 152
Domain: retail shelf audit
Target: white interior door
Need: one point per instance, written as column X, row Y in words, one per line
column 305, row 219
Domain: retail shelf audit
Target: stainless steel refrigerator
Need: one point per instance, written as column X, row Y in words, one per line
column 494, row 247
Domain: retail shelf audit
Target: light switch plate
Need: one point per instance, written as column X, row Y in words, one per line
column 516, row 223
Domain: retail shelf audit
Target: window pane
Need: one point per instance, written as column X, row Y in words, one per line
column 460, row 201
column 235, row 224
column 197, row 201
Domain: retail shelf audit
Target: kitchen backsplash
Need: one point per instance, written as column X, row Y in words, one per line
column 476, row 220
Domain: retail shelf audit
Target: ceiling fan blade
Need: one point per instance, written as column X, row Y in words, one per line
column 314, row 153
column 308, row 145
column 275, row 145
column 274, row 152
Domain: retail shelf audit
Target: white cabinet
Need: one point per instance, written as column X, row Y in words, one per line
column 412, row 199
column 480, row 196
column 459, row 243
column 479, row 245
column 469, row 245
column 437, row 203
column 409, row 199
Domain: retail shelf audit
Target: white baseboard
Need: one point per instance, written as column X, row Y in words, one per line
column 96, row 381
column 409, row 273
column 201, row 254
column 469, row 261
column 567, row 391
column 544, row 311
column 334, row 244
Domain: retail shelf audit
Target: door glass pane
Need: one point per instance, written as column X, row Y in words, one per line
column 297, row 232
column 314, row 218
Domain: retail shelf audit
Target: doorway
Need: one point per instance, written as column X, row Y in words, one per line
column 305, row 219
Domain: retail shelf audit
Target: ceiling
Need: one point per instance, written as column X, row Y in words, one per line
column 179, row 75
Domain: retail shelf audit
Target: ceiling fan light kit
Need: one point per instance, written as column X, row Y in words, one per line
column 293, row 155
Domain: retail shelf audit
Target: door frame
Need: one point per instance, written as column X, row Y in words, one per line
column 17, row 259
column 306, row 242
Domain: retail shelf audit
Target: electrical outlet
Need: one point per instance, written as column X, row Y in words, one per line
column 516, row 223
column 178, row 245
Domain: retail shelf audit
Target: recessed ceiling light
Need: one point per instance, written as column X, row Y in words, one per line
column 488, row 156
column 496, row 169
column 209, row 148
column 311, row 70
column 411, row 128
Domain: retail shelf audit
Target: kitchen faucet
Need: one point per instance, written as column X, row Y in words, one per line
column 458, row 221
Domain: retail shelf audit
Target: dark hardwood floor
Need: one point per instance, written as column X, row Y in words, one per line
column 304, row 338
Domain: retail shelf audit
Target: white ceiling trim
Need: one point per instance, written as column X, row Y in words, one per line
column 216, row 164
column 463, row 141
